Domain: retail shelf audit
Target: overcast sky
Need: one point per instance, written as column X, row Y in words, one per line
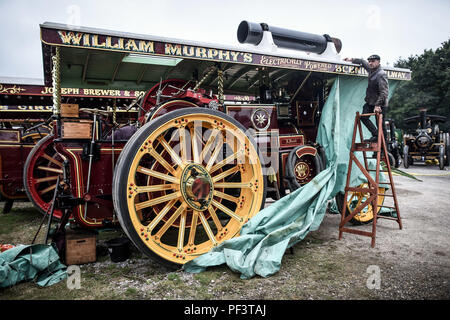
column 392, row 29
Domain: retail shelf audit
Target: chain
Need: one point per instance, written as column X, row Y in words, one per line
column 56, row 83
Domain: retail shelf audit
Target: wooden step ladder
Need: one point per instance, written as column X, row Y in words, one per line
column 373, row 189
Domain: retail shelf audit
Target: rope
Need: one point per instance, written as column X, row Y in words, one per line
column 204, row 78
column 56, row 73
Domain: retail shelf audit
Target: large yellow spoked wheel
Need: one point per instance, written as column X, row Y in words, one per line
column 185, row 182
column 354, row 199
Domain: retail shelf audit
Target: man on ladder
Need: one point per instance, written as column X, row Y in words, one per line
column 376, row 94
column 376, row 104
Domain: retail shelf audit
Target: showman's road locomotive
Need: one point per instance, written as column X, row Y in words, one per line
column 427, row 142
column 219, row 129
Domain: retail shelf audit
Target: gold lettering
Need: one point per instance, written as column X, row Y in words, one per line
column 146, row 46
column 47, row 90
column 120, row 42
column 109, row 43
column 173, row 50
column 224, row 55
column 71, row 37
column 248, row 57
column 131, row 45
column 95, row 42
column 200, row 53
column 212, row 53
column 188, row 51
column 234, row 55
column 86, row 41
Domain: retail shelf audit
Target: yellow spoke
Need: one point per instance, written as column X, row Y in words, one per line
column 183, row 148
column 52, row 187
column 215, row 218
column 215, row 154
column 46, row 156
column 154, row 188
column 208, row 230
column 161, row 215
column 225, row 196
column 46, row 179
column 225, row 174
column 162, row 161
column 193, row 228
column 181, row 230
column 50, row 169
column 208, row 144
column 157, row 174
column 152, row 202
column 226, row 210
column 171, row 152
column 225, row 161
column 171, row 220
column 233, row 185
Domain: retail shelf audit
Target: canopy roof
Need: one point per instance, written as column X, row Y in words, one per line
column 96, row 58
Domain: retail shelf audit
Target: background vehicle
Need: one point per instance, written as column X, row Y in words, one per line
column 394, row 141
column 427, row 142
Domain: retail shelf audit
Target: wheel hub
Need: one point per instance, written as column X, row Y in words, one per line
column 196, row 187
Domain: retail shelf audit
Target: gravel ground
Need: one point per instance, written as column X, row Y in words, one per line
column 415, row 261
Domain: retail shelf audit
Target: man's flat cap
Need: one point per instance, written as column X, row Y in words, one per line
column 374, row 57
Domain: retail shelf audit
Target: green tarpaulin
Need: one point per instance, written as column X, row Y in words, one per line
column 39, row 263
column 264, row 238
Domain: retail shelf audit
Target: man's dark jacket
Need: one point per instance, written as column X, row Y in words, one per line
column 378, row 88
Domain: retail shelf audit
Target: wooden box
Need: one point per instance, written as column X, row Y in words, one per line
column 80, row 248
column 80, row 129
column 69, row 110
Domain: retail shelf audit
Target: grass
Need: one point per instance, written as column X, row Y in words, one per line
column 316, row 270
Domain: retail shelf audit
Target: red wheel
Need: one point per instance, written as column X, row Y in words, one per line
column 42, row 168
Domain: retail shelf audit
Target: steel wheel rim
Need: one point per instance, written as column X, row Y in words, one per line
column 178, row 231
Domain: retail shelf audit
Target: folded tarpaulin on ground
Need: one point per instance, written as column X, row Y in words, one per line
column 39, row 263
column 265, row 238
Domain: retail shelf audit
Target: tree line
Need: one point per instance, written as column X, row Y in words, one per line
column 428, row 88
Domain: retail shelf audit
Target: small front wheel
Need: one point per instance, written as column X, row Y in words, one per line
column 406, row 160
column 354, row 199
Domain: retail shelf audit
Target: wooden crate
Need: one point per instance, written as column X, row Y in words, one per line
column 69, row 110
column 81, row 129
column 80, row 247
